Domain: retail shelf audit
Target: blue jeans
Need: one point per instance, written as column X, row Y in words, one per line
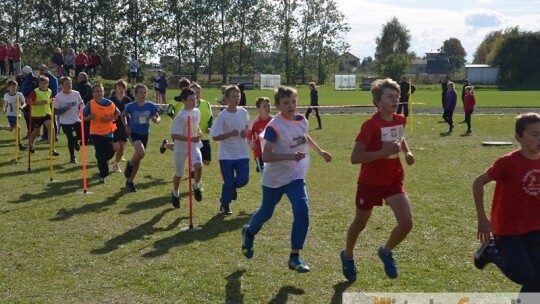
column 297, row 194
column 519, row 259
column 235, row 173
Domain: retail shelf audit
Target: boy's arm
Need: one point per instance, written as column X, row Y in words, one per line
column 409, row 157
column 269, row 156
column 156, row 118
column 359, row 154
column 313, row 145
column 484, row 225
column 4, row 105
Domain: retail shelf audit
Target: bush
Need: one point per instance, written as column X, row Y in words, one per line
column 114, row 67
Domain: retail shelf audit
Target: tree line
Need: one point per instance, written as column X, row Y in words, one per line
column 299, row 39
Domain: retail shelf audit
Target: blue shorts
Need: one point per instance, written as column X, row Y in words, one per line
column 12, row 121
column 133, row 74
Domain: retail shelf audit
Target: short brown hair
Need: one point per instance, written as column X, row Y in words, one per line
column 11, row 82
column 140, row 86
column 97, row 86
column 183, row 83
column 523, row 120
column 282, row 92
column 120, row 83
column 261, row 100
column 44, row 78
column 378, row 86
column 65, row 78
column 230, row 88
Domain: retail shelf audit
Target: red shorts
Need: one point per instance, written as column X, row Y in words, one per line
column 368, row 196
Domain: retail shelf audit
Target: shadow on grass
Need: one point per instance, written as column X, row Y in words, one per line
column 138, row 233
column 339, row 288
column 210, row 230
column 65, row 214
column 233, row 289
column 283, row 294
column 444, row 134
column 150, row 204
column 53, row 189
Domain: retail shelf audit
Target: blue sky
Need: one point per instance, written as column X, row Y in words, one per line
column 432, row 22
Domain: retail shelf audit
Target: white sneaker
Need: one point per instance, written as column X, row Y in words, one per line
column 116, row 168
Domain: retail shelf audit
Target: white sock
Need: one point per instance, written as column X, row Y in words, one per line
column 196, row 185
column 176, row 193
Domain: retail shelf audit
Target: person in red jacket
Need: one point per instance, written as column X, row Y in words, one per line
column 10, row 55
column 94, row 61
column 3, row 56
column 81, row 60
column 468, row 106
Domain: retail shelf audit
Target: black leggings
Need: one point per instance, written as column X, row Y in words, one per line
column 72, row 140
column 316, row 115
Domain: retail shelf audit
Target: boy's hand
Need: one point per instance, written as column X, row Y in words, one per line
column 234, row 133
column 90, row 116
column 243, row 133
column 484, row 230
column 327, row 156
column 409, row 158
column 391, row 147
column 298, row 156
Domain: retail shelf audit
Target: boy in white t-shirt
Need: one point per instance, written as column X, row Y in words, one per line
column 230, row 129
column 9, row 107
column 179, row 133
column 286, row 155
column 67, row 105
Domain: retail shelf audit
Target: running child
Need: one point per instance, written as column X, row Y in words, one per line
column 9, row 107
column 40, row 103
column 468, row 106
column 381, row 176
column 511, row 236
column 139, row 113
column 230, row 131
column 257, row 128
column 67, row 105
column 179, row 133
column 286, row 153
column 120, row 99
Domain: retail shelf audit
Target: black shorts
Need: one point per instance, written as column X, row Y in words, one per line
column 37, row 122
column 120, row 133
column 143, row 138
column 133, row 74
column 206, row 150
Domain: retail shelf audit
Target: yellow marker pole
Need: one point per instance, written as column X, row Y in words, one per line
column 17, row 131
column 51, row 141
column 411, row 107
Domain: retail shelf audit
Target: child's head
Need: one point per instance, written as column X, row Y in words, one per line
column 197, row 88
column 285, row 100
column 141, row 92
column 183, row 83
column 12, row 85
column 284, row 92
column 189, row 98
column 263, row 106
column 450, row 86
column 223, row 87
column 232, row 95
column 379, row 86
column 133, row 56
column 468, row 89
column 98, row 92
column 66, row 83
column 120, row 86
column 43, row 82
column 524, row 120
column 312, row 85
column 231, row 88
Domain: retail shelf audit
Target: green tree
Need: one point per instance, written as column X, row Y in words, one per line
column 455, row 53
column 392, row 56
column 486, row 50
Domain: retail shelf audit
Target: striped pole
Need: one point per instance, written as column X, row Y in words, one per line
column 189, row 175
column 17, row 131
column 83, row 150
column 51, row 141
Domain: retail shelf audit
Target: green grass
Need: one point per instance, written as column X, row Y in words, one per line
column 112, row 246
column 425, row 97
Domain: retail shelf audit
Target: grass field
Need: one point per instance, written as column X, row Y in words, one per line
column 424, row 97
column 111, row 246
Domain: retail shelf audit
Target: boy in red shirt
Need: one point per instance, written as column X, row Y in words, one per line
column 381, row 176
column 511, row 239
column 468, row 107
column 257, row 127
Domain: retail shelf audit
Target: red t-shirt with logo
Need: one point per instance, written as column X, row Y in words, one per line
column 375, row 131
column 516, row 200
column 257, row 127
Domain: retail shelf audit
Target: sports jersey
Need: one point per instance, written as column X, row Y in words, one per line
column 39, row 95
column 104, row 108
column 257, row 127
column 71, row 116
column 12, row 102
column 206, row 117
column 375, row 131
column 179, row 126
column 232, row 147
column 287, row 136
column 139, row 116
column 516, row 200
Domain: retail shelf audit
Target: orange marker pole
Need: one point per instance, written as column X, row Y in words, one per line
column 83, row 150
column 189, row 175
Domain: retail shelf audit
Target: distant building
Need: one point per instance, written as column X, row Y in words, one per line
column 437, row 63
column 481, row 74
column 418, row 66
column 347, row 62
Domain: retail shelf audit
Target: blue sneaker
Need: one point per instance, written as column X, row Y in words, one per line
column 247, row 243
column 296, row 263
column 390, row 267
column 349, row 267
